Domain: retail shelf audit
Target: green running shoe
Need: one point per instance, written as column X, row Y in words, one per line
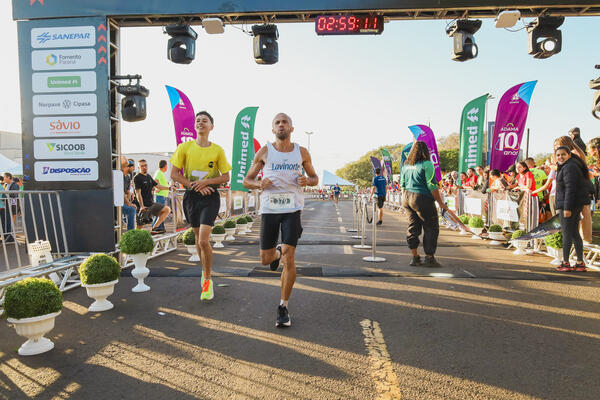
column 207, row 290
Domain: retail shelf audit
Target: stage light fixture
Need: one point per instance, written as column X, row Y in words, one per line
column 595, row 85
column 133, row 105
column 266, row 50
column 462, row 32
column 181, row 48
column 545, row 39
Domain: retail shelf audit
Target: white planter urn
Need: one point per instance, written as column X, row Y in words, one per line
column 99, row 292
column 464, row 232
column 218, row 238
column 556, row 254
column 496, row 238
column 521, row 246
column 191, row 248
column 34, row 329
column 140, row 271
column 476, row 231
column 250, row 223
column 241, row 228
column 230, row 232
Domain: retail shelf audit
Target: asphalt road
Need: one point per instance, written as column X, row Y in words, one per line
column 488, row 325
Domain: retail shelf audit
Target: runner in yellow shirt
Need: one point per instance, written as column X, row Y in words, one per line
column 204, row 167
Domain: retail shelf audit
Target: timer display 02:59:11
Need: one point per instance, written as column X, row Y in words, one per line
column 348, row 24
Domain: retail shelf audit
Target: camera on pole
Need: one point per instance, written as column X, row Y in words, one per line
column 266, row 50
column 462, row 32
column 181, row 48
column 545, row 39
column 133, row 105
column 595, row 85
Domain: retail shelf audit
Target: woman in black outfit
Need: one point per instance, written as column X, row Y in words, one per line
column 572, row 193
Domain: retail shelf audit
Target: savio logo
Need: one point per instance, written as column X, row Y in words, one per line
column 59, row 126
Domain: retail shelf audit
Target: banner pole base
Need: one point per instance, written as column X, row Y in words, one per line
column 356, row 237
column 374, row 259
column 361, row 246
column 351, row 230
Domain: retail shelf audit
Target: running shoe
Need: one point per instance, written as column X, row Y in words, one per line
column 207, row 290
column 580, row 267
column 275, row 264
column 416, row 261
column 283, row 317
column 565, row 266
column 379, row 223
column 430, row 261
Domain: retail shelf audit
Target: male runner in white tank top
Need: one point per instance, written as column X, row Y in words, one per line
column 281, row 203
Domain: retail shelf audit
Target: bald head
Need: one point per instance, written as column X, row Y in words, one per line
column 280, row 116
column 124, row 162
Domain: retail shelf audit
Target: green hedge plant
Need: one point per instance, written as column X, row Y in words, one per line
column 189, row 237
column 229, row 224
column 249, row 218
column 555, row 240
column 99, row 268
column 475, row 222
column 32, row 297
column 517, row 234
column 495, row 228
column 136, row 241
column 464, row 219
column 218, row 230
column 241, row 221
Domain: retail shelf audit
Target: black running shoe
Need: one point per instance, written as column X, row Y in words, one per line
column 416, row 261
column 379, row 222
column 275, row 264
column 283, row 317
column 430, row 261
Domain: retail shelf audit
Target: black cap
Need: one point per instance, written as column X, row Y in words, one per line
column 575, row 130
column 130, row 162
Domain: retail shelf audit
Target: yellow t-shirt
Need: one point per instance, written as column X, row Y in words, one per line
column 200, row 162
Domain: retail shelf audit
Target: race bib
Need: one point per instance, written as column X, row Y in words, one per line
column 282, row 201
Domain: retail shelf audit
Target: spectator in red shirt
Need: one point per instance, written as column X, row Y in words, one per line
column 471, row 179
column 525, row 178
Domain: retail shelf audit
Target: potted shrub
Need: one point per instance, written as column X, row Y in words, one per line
column 138, row 244
column 476, row 226
column 521, row 245
column 229, row 226
column 241, row 225
column 189, row 240
column 554, row 245
column 249, row 221
column 218, row 235
column 32, row 305
column 465, row 220
column 99, row 274
column 495, row 233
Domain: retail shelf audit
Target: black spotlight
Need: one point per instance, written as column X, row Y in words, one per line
column 181, row 48
column 462, row 32
column 545, row 39
column 266, row 50
column 133, row 105
column 595, row 85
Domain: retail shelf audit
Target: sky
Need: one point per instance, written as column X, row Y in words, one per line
column 355, row 93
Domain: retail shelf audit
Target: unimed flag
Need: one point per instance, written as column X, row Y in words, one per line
column 471, row 134
column 184, row 118
column 387, row 163
column 243, row 147
column 424, row 134
column 509, row 125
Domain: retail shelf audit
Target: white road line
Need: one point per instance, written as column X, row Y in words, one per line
column 343, row 229
column 340, row 219
column 382, row 370
column 348, row 249
column 468, row 273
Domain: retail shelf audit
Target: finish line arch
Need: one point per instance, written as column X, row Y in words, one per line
column 69, row 50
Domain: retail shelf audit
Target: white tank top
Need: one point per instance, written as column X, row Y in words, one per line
column 283, row 169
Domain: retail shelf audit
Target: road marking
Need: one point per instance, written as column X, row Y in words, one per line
column 382, row 371
column 343, row 229
column 468, row 273
column 348, row 249
column 340, row 219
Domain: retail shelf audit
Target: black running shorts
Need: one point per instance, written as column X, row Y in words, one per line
column 291, row 229
column 380, row 201
column 156, row 208
column 200, row 209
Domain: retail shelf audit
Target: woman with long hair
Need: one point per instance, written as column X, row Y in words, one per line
column 525, row 179
column 578, row 153
column 420, row 192
column 571, row 196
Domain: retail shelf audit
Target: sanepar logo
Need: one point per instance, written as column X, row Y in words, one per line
column 46, row 36
column 43, row 37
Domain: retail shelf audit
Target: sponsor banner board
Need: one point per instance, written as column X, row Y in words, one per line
column 507, row 210
column 238, row 202
column 71, row 81
column 61, row 59
column 472, row 206
column 58, row 104
column 66, row 170
column 63, row 36
column 65, row 126
column 53, row 149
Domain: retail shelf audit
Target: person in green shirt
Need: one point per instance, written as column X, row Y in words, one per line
column 161, row 196
column 420, row 192
column 539, row 176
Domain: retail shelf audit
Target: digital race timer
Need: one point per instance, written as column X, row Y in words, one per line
column 349, row 24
